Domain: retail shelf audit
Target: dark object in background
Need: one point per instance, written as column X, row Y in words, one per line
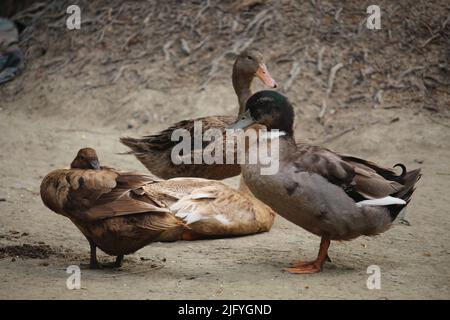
column 11, row 57
column 10, row 7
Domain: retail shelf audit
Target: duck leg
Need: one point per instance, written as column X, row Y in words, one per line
column 312, row 266
column 93, row 264
column 118, row 262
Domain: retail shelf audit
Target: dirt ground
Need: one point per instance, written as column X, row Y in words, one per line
column 78, row 90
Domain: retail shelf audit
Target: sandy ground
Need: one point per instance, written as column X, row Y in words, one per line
column 91, row 87
column 414, row 260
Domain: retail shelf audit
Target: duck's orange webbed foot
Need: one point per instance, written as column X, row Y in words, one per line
column 307, row 267
column 301, row 263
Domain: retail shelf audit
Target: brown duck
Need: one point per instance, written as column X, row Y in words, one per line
column 334, row 196
column 154, row 151
column 121, row 212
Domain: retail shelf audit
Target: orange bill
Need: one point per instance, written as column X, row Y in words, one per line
column 263, row 74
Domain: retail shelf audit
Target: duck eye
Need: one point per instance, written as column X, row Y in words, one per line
column 249, row 58
column 82, row 157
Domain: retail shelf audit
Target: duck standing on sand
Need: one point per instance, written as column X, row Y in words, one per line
column 334, row 196
column 121, row 212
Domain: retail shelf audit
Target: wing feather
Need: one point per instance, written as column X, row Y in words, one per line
column 93, row 195
column 360, row 179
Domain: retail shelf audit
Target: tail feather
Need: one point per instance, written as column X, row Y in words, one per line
column 157, row 142
column 409, row 185
column 410, row 179
column 133, row 144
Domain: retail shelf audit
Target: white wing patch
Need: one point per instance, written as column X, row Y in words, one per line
column 190, row 217
column 222, row 219
column 192, row 208
column 201, row 196
column 386, row 201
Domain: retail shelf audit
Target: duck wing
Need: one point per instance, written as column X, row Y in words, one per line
column 218, row 210
column 162, row 140
column 155, row 151
column 360, row 179
column 211, row 208
column 94, row 195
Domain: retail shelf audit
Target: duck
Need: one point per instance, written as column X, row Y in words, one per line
column 120, row 212
column 334, row 196
column 154, row 151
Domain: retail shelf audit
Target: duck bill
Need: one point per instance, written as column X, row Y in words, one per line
column 94, row 164
column 243, row 122
column 263, row 74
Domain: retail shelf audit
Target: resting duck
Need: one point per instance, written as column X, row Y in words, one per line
column 334, row 196
column 121, row 212
column 154, row 151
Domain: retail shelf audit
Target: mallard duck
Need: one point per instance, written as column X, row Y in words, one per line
column 121, row 212
column 334, row 196
column 154, row 151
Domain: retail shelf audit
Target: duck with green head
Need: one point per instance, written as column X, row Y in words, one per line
column 334, row 196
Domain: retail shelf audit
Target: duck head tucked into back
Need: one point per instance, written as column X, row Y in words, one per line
column 121, row 212
column 86, row 159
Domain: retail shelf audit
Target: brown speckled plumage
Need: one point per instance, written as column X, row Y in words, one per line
column 154, row 151
column 120, row 212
